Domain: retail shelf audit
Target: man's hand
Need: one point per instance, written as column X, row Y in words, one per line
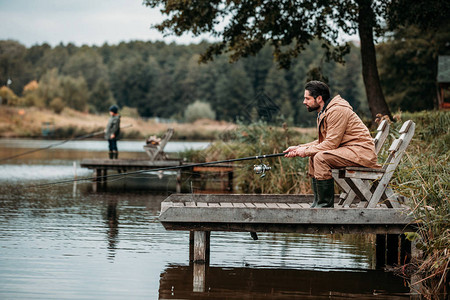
column 113, row 136
column 290, row 149
column 295, row 151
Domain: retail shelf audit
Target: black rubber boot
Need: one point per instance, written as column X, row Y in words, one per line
column 325, row 191
column 115, row 155
column 314, row 188
column 111, row 155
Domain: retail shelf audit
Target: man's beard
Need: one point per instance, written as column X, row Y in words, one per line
column 315, row 107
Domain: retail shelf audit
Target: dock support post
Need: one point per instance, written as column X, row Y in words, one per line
column 416, row 285
column 380, row 250
column 199, row 277
column 178, row 188
column 201, row 246
column 392, row 253
column 405, row 250
column 95, row 183
column 199, row 250
column 230, row 181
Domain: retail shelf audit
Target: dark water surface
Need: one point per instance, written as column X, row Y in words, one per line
column 66, row 242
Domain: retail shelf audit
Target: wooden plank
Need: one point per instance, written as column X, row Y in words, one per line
column 283, row 205
column 250, row 205
column 202, row 204
column 297, row 228
column 165, row 205
column 361, row 188
column 226, row 204
column 250, row 198
column 294, row 205
column 212, row 169
column 335, row 216
column 177, row 204
column 260, row 205
column 271, row 205
column 214, row 204
column 129, row 163
column 305, row 205
column 369, row 175
column 190, row 204
column 241, row 205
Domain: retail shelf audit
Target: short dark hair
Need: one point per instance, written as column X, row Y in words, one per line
column 114, row 109
column 318, row 88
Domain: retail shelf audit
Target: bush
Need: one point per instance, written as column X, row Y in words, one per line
column 57, row 105
column 287, row 176
column 7, row 96
column 199, row 110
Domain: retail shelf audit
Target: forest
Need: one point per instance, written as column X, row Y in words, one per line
column 163, row 80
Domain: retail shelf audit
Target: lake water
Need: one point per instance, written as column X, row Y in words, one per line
column 68, row 242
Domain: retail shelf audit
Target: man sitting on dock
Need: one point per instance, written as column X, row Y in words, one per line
column 343, row 141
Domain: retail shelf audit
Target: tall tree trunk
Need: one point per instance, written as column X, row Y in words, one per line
column 375, row 97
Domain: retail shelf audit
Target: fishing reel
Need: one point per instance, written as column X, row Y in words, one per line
column 261, row 169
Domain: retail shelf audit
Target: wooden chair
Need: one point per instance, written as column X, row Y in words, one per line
column 380, row 138
column 372, row 185
column 156, row 151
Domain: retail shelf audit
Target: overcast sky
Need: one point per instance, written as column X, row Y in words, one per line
column 91, row 22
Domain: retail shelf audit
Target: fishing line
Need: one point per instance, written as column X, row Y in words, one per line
column 81, row 137
column 99, row 178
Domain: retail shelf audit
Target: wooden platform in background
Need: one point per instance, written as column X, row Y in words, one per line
column 213, row 178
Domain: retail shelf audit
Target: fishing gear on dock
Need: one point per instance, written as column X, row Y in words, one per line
column 260, row 169
column 60, row 143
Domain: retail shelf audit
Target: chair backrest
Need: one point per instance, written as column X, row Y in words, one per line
column 399, row 145
column 381, row 136
column 166, row 137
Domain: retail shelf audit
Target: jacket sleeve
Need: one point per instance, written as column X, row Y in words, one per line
column 115, row 126
column 313, row 143
column 336, row 122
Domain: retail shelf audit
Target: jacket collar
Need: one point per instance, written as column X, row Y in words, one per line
column 321, row 114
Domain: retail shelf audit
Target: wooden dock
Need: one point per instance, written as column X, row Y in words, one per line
column 194, row 175
column 277, row 213
column 202, row 213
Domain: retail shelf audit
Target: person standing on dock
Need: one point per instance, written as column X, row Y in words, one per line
column 112, row 131
column 344, row 141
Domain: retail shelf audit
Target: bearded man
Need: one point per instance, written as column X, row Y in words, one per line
column 343, row 141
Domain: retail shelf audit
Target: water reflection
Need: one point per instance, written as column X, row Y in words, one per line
column 112, row 221
column 177, row 282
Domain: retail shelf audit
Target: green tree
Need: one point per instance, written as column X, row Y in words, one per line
column 409, row 66
column 233, row 92
column 72, row 91
column 199, row 110
column 130, row 80
column 13, row 66
column 286, row 25
column 87, row 63
column 277, row 87
column 101, row 97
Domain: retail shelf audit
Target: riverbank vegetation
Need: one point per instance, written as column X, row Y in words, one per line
column 423, row 176
column 33, row 122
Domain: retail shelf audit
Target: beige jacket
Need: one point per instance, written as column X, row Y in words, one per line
column 342, row 133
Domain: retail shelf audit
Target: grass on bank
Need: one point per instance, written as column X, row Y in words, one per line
column 28, row 122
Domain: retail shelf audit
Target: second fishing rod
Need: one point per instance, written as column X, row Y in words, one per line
column 259, row 169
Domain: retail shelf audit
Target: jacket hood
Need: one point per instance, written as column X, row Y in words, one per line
column 338, row 101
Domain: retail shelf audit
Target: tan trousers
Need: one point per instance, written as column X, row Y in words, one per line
column 320, row 165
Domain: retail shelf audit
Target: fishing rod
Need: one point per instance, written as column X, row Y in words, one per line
column 81, row 137
column 259, row 169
